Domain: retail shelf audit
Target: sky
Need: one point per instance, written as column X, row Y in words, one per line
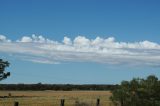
column 80, row 41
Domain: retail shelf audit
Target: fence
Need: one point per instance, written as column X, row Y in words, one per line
column 62, row 102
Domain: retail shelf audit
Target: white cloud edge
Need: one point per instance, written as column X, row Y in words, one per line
column 82, row 49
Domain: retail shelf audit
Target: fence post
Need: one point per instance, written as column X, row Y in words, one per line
column 98, row 102
column 16, row 103
column 62, row 102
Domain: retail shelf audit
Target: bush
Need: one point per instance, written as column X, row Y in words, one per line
column 138, row 92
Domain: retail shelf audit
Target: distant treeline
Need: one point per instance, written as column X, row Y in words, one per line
column 64, row 87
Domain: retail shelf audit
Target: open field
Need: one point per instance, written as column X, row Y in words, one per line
column 52, row 98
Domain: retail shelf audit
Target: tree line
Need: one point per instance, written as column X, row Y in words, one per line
column 64, row 87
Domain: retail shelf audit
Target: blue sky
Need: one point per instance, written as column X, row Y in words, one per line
column 80, row 41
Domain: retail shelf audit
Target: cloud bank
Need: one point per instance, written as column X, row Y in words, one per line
column 81, row 49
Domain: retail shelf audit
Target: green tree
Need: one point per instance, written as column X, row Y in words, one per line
column 3, row 65
column 138, row 92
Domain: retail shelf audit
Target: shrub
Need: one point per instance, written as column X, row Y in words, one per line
column 138, row 92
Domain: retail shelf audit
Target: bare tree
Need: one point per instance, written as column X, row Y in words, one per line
column 3, row 65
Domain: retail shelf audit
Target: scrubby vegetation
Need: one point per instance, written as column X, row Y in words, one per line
column 138, row 92
column 3, row 65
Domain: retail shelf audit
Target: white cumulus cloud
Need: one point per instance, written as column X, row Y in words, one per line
column 67, row 41
column 81, row 49
column 4, row 39
column 25, row 39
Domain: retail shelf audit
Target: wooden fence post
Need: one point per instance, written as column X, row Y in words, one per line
column 62, row 102
column 16, row 103
column 98, row 102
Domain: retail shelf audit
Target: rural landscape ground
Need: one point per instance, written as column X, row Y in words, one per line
column 53, row 98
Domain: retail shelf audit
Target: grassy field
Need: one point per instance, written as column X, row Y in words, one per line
column 52, row 98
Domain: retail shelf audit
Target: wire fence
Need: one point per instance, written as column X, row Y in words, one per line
column 55, row 102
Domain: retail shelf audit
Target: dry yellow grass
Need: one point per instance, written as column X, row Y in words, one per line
column 52, row 98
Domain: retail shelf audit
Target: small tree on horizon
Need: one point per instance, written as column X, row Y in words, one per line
column 3, row 65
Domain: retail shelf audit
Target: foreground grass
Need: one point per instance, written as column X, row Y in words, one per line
column 52, row 98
